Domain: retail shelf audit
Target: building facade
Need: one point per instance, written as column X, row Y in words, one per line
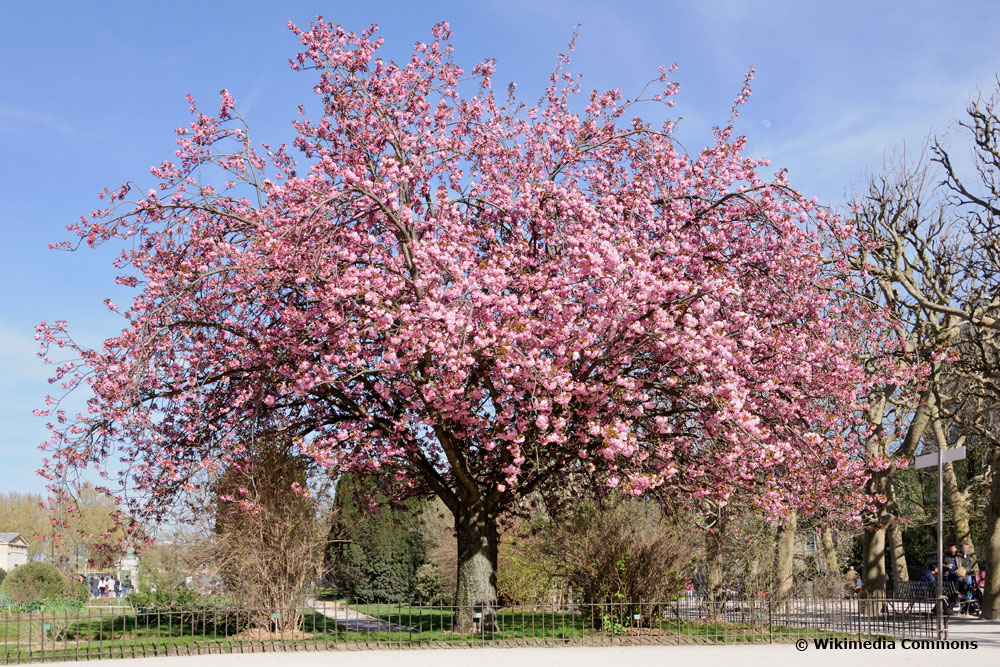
column 13, row 551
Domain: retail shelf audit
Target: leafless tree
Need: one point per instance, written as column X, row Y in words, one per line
column 269, row 541
column 905, row 261
column 931, row 256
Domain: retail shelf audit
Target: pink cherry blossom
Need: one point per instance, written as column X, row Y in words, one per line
column 475, row 300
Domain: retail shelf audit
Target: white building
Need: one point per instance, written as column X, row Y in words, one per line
column 13, row 550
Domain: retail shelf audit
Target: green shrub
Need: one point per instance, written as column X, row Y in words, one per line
column 53, row 606
column 35, row 582
column 214, row 613
column 430, row 589
column 79, row 591
column 3, row 573
column 526, row 573
column 163, row 596
column 375, row 554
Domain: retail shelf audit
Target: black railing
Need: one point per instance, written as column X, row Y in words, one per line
column 124, row 632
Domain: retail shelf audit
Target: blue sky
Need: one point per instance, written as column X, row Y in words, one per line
column 91, row 93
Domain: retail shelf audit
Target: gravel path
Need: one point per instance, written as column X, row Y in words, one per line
column 351, row 619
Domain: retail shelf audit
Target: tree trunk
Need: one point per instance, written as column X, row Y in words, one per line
column 896, row 553
column 830, row 552
column 880, row 484
column 873, row 563
column 873, row 546
column 991, row 557
column 476, row 594
column 894, row 540
column 785, row 561
column 713, row 554
column 958, row 500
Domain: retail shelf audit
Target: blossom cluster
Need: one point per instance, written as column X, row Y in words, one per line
column 475, row 299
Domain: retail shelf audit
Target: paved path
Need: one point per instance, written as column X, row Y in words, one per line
column 985, row 633
column 775, row 655
column 352, row 619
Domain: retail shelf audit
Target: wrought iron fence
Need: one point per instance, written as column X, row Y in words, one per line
column 124, row 632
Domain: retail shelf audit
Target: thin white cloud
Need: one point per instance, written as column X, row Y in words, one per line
column 246, row 106
column 24, row 382
column 18, row 356
column 835, row 149
column 15, row 120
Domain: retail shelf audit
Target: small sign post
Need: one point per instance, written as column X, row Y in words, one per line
column 939, row 458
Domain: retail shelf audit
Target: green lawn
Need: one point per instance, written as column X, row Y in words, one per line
column 433, row 624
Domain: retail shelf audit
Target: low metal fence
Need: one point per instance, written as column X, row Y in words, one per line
column 124, row 632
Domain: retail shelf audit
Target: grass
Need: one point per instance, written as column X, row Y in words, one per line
column 433, row 624
column 436, row 622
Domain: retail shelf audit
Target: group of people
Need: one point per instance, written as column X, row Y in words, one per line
column 957, row 570
column 104, row 585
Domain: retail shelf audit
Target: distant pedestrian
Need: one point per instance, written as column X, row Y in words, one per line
column 951, row 563
column 964, row 561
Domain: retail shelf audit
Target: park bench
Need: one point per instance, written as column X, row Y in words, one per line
column 912, row 597
column 959, row 598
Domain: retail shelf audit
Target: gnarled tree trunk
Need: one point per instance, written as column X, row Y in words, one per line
column 476, row 594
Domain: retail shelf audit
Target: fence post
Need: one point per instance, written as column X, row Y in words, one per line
column 939, row 609
column 770, row 623
column 859, row 617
